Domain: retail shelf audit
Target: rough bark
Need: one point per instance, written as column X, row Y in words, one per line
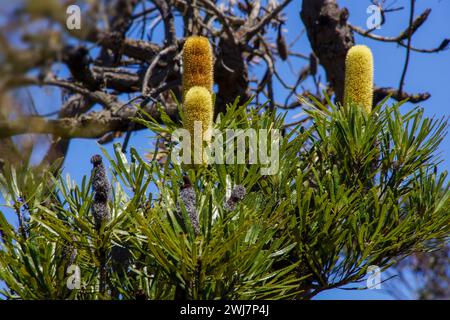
column 330, row 37
column 231, row 75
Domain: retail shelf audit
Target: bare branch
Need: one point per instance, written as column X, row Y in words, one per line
column 103, row 98
column 408, row 48
column 265, row 20
column 225, row 23
column 91, row 125
column 381, row 93
column 145, row 89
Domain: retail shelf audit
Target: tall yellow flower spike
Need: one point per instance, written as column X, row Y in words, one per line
column 198, row 107
column 359, row 77
column 197, row 64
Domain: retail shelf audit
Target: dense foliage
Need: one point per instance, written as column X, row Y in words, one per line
column 353, row 190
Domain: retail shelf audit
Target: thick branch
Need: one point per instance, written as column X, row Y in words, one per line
column 91, row 125
column 330, row 37
column 77, row 59
column 138, row 49
column 164, row 7
column 231, row 75
column 103, row 98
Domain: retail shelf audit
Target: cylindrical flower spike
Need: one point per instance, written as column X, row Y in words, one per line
column 198, row 107
column 198, row 119
column 359, row 77
column 197, row 64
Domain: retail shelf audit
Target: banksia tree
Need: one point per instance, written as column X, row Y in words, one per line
column 359, row 77
column 348, row 192
column 197, row 64
column 274, row 237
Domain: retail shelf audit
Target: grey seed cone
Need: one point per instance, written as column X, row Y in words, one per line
column 188, row 197
column 102, row 189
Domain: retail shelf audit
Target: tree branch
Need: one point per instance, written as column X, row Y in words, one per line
column 91, row 125
column 265, row 20
column 330, row 37
column 381, row 93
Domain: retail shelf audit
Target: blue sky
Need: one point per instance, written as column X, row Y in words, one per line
column 427, row 72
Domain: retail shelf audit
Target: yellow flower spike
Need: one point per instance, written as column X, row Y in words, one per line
column 198, row 110
column 359, row 77
column 197, row 64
